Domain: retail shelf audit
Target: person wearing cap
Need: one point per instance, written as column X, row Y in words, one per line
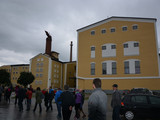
column 116, row 102
column 97, row 103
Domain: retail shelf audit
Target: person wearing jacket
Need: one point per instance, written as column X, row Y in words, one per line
column 82, row 102
column 50, row 98
column 68, row 102
column 97, row 103
column 39, row 96
column 21, row 97
column 46, row 99
column 29, row 97
column 16, row 92
column 116, row 103
column 57, row 95
column 78, row 101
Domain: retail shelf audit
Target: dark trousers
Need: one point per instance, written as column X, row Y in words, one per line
column 46, row 104
column 8, row 98
column 50, row 105
column 115, row 114
column 16, row 99
column 0, row 96
column 20, row 104
column 59, row 110
column 77, row 108
column 28, row 104
column 40, row 108
column 66, row 113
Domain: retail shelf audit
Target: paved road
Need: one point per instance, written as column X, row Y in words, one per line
column 10, row 112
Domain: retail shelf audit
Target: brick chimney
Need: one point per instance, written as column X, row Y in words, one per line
column 48, row 43
column 71, row 51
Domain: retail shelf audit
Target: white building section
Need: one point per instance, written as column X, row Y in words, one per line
column 49, row 72
column 109, row 50
column 131, row 48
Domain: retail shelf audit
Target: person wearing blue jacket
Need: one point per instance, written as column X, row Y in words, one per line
column 58, row 103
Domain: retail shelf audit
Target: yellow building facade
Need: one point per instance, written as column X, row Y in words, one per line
column 122, row 50
column 69, row 74
column 50, row 72
column 15, row 71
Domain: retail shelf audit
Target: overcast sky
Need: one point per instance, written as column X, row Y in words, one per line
column 22, row 23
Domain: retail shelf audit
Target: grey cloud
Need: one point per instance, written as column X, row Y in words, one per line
column 23, row 22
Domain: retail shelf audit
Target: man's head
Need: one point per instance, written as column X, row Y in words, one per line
column 97, row 83
column 66, row 87
column 115, row 86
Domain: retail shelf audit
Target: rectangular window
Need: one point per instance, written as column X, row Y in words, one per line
column 113, row 46
column 41, row 75
column 124, row 28
column 40, row 82
column 41, row 64
column 37, row 70
column 54, row 76
column 41, row 70
column 104, row 48
column 126, row 67
column 113, row 30
column 139, row 99
column 137, row 67
column 125, row 45
column 93, row 32
column 92, row 68
column 114, row 68
column 37, row 64
column 154, row 100
column 104, row 68
column 136, row 44
column 103, row 31
column 134, row 27
column 92, row 48
column 37, row 75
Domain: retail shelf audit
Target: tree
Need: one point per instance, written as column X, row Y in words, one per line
column 25, row 78
column 4, row 77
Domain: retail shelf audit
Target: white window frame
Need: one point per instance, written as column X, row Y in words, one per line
column 93, row 52
column 132, row 68
column 109, row 67
column 94, row 68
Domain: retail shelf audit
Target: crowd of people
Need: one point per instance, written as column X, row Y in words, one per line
column 66, row 100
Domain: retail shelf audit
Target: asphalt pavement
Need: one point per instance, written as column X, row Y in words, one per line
column 10, row 111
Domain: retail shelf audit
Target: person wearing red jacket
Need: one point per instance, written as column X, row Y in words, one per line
column 29, row 97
